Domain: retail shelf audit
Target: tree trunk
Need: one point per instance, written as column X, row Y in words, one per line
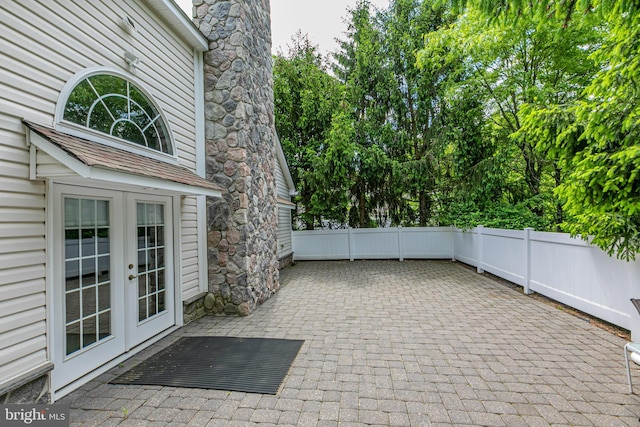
column 557, row 174
column 425, row 207
column 362, row 211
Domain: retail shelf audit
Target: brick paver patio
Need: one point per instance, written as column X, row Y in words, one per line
column 414, row 343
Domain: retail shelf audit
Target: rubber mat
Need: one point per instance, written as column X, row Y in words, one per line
column 251, row 365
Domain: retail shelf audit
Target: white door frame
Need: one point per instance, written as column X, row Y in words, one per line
column 69, row 369
column 140, row 331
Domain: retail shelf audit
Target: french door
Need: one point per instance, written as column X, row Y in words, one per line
column 113, row 276
column 149, row 291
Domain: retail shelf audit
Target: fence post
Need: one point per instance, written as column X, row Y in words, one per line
column 527, row 260
column 400, row 250
column 452, row 230
column 480, row 230
column 350, row 240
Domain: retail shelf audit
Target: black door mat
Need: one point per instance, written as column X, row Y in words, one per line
column 252, row 365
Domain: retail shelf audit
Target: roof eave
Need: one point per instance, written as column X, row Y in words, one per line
column 182, row 24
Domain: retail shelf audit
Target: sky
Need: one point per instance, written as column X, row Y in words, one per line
column 322, row 20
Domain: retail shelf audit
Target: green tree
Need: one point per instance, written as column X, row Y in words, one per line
column 332, row 173
column 602, row 149
column 595, row 137
column 306, row 97
column 512, row 65
column 417, row 103
column 362, row 69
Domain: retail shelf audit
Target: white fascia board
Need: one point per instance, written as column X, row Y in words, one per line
column 150, row 183
column 179, row 22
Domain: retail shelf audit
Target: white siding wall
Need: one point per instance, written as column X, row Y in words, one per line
column 284, row 214
column 42, row 46
column 22, row 258
column 284, row 232
column 190, row 264
column 282, row 188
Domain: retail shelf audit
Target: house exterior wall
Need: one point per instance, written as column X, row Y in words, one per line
column 241, row 153
column 284, row 216
column 42, row 46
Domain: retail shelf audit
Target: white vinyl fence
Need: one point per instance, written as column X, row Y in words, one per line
column 566, row 269
column 373, row 243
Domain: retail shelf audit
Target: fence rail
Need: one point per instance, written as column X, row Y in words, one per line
column 566, row 269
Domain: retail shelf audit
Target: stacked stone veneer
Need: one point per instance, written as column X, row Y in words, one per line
column 240, row 144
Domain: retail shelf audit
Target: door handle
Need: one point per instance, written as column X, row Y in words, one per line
column 132, row 276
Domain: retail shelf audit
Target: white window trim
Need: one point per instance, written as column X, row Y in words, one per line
column 83, row 132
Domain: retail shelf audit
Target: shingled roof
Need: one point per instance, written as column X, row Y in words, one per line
column 97, row 155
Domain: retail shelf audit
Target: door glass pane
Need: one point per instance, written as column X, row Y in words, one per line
column 87, row 212
column 141, row 214
column 89, row 300
column 88, row 241
column 151, row 265
column 88, row 271
column 104, row 297
column 103, row 241
column 142, row 309
column 89, row 331
column 160, row 236
column 104, row 325
column 104, row 267
column 72, row 274
column 71, row 212
column 87, row 263
column 102, row 210
column 142, row 260
column 73, row 337
column 161, row 302
column 72, row 302
column 71, row 245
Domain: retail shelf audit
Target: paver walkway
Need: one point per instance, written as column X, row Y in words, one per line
column 414, row 343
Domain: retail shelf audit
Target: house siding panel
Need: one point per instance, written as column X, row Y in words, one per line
column 281, row 183
column 48, row 166
column 190, row 260
column 284, row 232
column 20, row 364
column 42, row 46
column 284, row 214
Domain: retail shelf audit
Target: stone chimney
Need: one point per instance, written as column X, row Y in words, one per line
column 241, row 156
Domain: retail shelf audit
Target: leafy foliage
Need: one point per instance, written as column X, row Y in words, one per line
column 306, row 98
column 593, row 137
column 601, row 147
column 504, row 113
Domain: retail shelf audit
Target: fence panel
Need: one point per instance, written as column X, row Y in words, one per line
column 316, row 245
column 466, row 246
column 503, row 254
column 584, row 277
column 375, row 243
column 427, row 243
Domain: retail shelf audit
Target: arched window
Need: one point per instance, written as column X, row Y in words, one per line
column 116, row 107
